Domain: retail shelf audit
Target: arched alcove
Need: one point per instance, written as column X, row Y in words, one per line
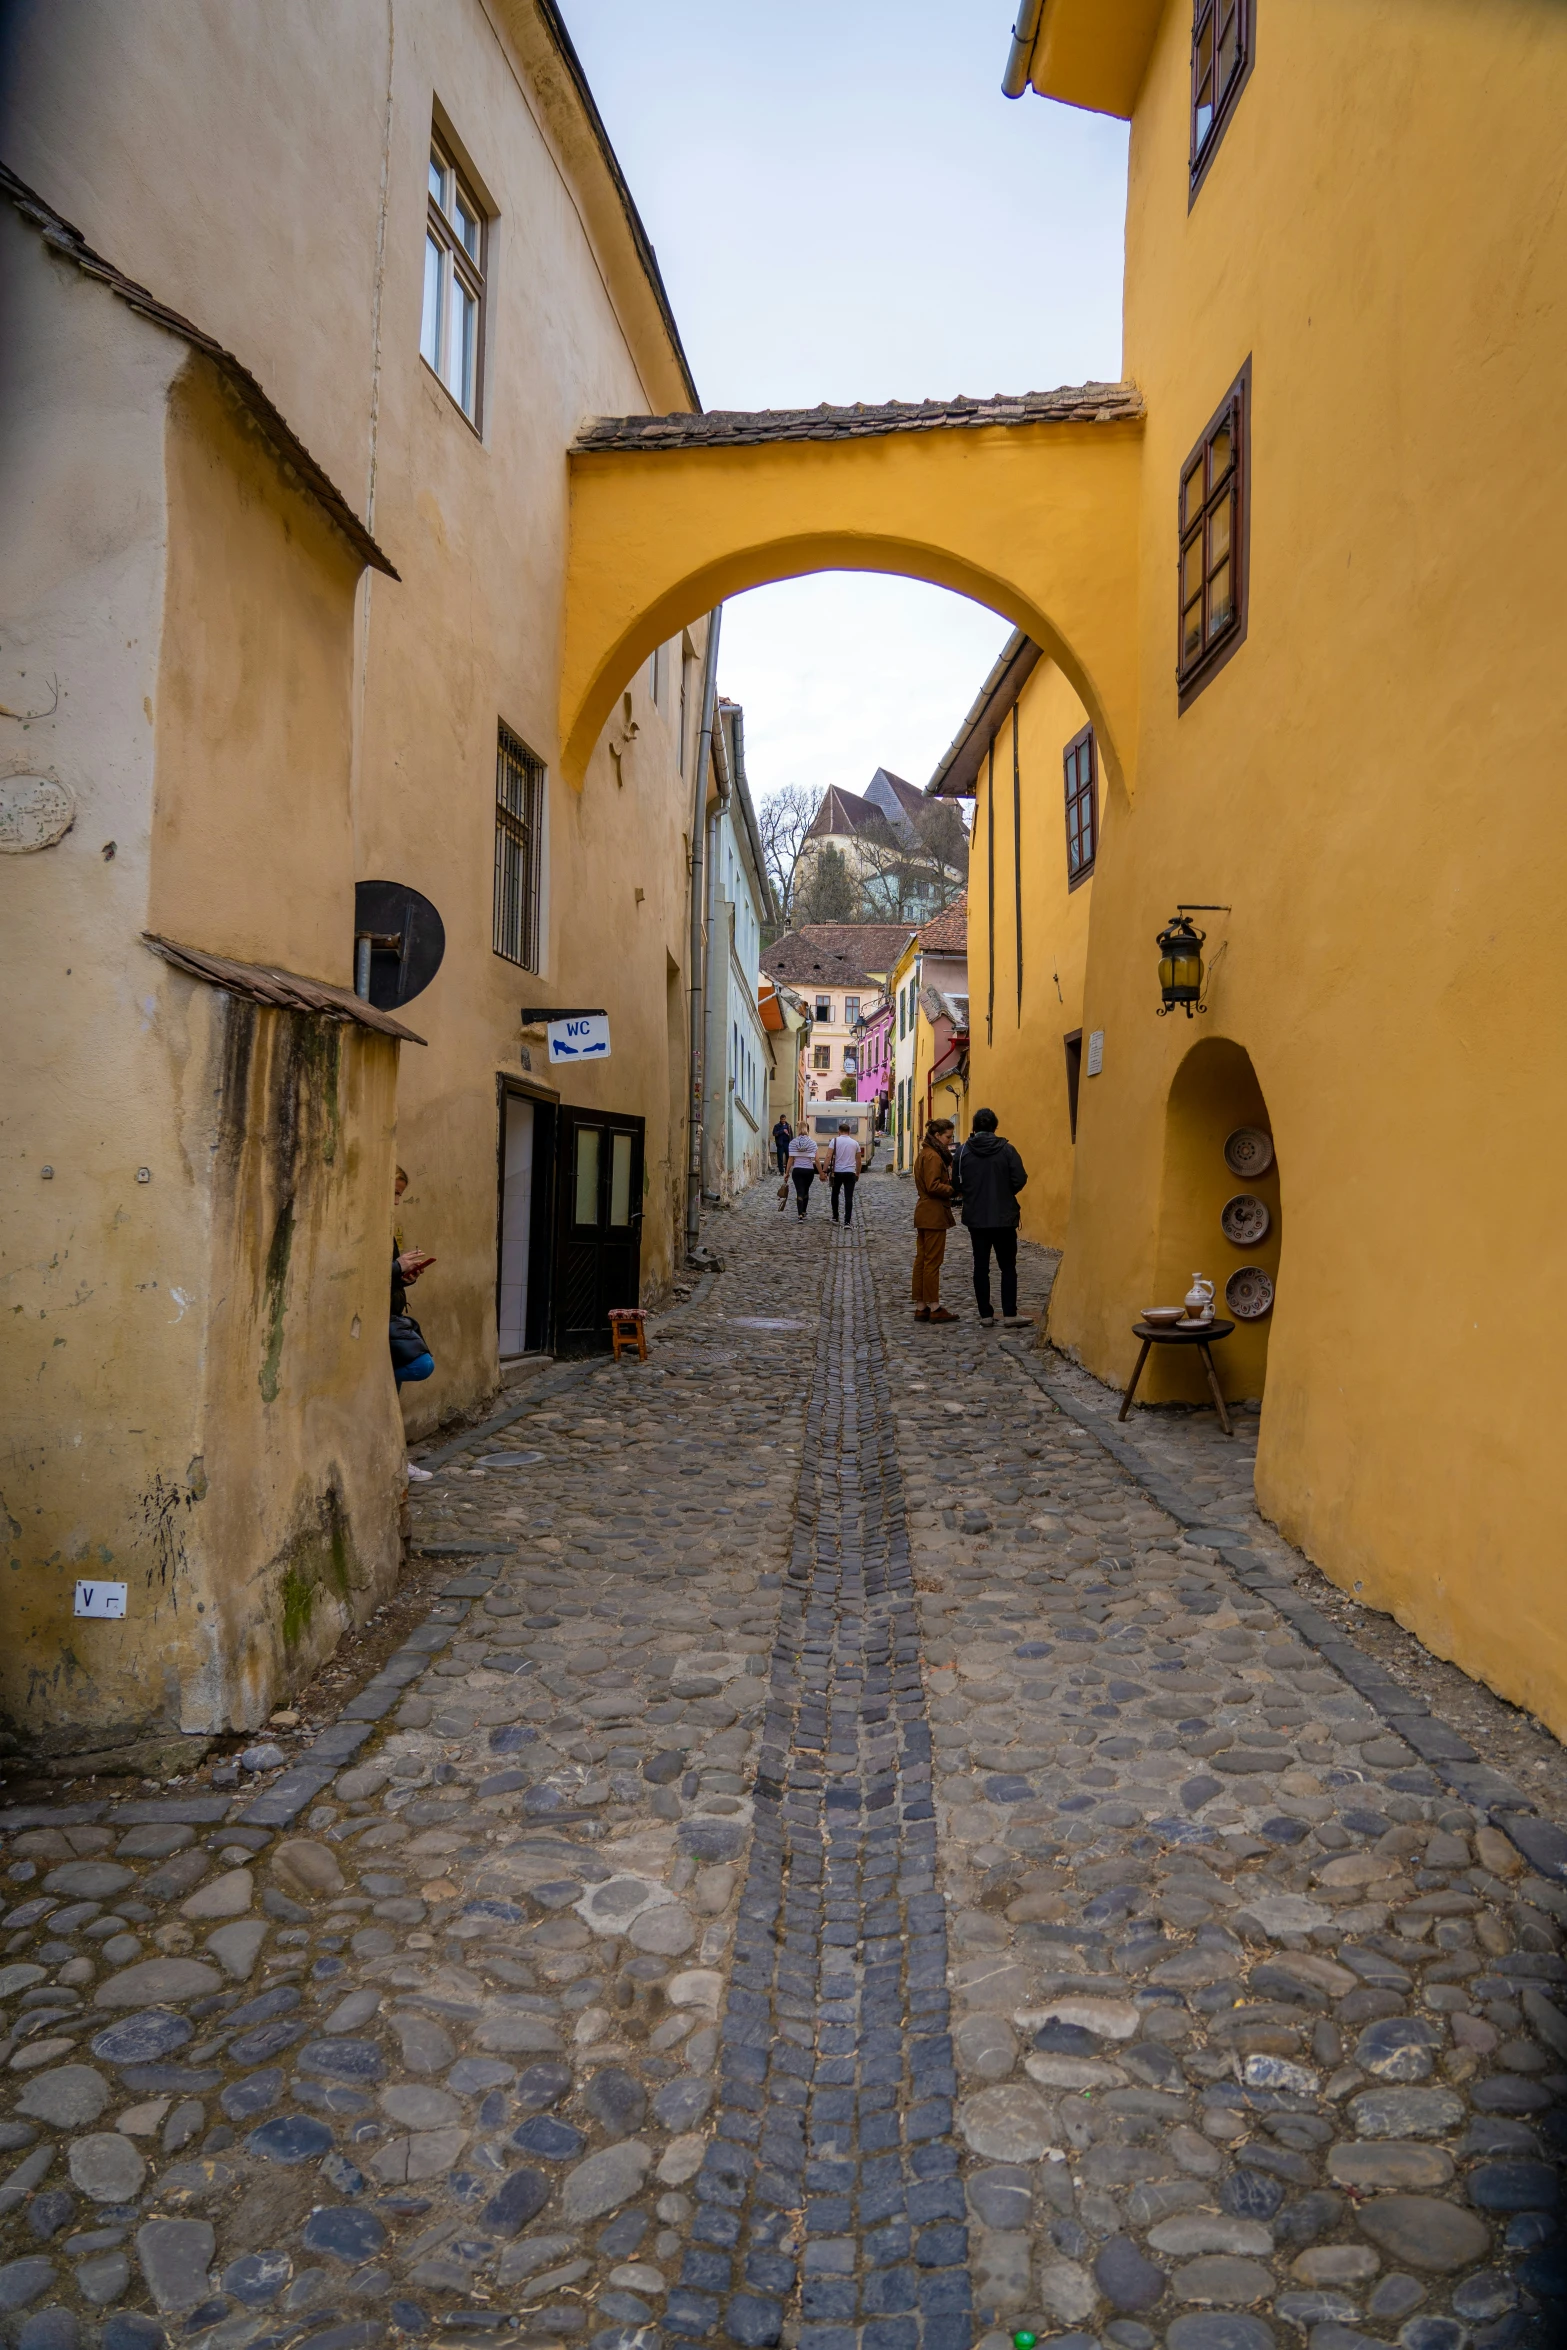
column 1214, row 1092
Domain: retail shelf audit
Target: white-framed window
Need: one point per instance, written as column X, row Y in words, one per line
column 451, row 331
column 658, row 675
column 519, row 851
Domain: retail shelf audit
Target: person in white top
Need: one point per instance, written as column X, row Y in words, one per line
column 847, row 1159
column 802, row 1166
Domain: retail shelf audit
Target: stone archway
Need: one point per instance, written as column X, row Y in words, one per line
column 1029, row 507
column 1214, row 1091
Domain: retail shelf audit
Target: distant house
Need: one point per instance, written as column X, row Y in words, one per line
column 850, row 821
column 929, row 987
column 840, row 971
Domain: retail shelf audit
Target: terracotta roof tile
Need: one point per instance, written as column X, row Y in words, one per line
column 1093, row 403
column 836, row 954
column 947, row 932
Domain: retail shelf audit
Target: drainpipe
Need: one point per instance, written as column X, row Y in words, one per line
column 715, row 1101
column 1021, row 54
column 697, row 940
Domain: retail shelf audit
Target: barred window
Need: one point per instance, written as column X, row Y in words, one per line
column 519, row 847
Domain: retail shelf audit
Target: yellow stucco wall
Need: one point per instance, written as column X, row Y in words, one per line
column 1017, row 1056
column 1372, row 785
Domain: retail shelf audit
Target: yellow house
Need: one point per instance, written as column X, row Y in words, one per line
column 1345, row 271
column 297, row 301
column 1026, row 756
column 933, row 971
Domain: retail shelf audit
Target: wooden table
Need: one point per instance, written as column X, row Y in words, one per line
column 1199, row 1335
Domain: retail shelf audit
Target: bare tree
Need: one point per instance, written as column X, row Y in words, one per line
column 908, row 873
column 827, row 889
column 783, row 818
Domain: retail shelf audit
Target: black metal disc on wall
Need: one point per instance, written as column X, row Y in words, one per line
column 407, row 939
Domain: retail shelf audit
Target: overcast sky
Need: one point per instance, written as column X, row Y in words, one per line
column 846, row 208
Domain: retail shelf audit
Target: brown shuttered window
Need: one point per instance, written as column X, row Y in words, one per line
column 519, row 850
column 1222, row 34
column 1214, row 525
column 1082, row 806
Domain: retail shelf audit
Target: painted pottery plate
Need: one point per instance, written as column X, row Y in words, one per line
column 1245, row 1219
column 1249, row 1294
column 1249, row 1151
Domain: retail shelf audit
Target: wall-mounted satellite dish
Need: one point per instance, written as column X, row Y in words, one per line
column 399, row 940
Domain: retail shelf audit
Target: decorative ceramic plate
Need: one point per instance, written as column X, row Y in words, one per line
column 1249, row 1294
column 1245, row 1219
column 1249, row 1151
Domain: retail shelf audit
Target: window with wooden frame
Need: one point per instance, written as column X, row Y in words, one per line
column 1215, row 500
column 519, row 851
column 1222, row 40
column 1080, row 763
column 451, row 331
column 824, row 1007
column 821, row 1056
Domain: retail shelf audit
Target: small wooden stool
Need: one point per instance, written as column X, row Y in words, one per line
column 1171, row 1334
column 626, row 1331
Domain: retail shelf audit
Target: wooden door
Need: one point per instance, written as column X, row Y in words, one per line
column 598, row 1245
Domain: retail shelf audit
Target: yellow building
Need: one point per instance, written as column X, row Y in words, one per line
column 1025, row 754
column 303, row 310
column 929, row 988
column 1299, row 571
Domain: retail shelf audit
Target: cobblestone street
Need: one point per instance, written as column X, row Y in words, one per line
column 850, row 1860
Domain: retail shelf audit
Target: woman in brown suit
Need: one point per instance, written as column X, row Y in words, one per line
column 932, row 1219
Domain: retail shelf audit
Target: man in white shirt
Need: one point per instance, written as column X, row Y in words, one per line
column 847, row 1158
column 802, row 1167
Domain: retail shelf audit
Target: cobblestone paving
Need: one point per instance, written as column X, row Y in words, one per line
column 589, row 1979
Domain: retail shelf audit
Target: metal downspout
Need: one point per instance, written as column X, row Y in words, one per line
column 697, row 939
column 1021, row 54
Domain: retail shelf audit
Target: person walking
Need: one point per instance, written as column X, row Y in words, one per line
column 801, row 1162
column 987, row 1176
column 932, row 1219
column 783, row 1135
column 847, row 1160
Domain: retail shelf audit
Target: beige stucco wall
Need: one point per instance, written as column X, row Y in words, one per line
column 181, row 1395
column 265, row 171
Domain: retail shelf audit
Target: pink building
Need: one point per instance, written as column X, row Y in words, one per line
column 875, row 1040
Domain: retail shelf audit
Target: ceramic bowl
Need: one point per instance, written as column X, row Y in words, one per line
column 1249, row 1294
column 1245, row 1219
column 1162, row 1317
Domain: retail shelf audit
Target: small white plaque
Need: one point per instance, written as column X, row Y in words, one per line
column 100, row 1599
column 1096, row 1051
column 585, row 1039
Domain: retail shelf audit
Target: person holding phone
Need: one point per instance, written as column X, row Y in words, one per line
column 411, row 1357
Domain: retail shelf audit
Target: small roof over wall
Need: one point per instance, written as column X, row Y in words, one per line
column 958, row 774
column 284, row 991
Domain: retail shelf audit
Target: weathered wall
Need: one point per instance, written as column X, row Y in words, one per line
column 1017, row 1059
column 304, row 134
column 137, row 1444
column 252, row 846
column 1372, row 784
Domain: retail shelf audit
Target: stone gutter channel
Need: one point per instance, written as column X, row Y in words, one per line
column 1542, row 1841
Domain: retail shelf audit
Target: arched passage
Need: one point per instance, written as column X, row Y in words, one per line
column 1213, row 1093
column 1037, row 520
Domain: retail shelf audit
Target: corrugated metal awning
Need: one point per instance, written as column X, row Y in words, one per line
column 284, row 991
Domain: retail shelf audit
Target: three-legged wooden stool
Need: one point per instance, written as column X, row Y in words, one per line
column 1171, row 1334
column 626, row 1331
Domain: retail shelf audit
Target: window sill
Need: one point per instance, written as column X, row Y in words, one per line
column 1078, row 879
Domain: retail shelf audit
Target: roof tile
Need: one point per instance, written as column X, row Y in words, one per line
column 1092, row 403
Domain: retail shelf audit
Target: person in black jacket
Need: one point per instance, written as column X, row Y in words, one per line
column 987, row 1175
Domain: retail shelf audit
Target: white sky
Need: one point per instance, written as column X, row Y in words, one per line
column 846, row 208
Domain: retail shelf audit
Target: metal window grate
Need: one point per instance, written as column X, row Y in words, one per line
column 519, row 827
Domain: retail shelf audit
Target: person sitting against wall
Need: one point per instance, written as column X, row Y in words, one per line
column 411, row 1357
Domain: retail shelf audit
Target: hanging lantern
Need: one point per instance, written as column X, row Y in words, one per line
column 1180, row 965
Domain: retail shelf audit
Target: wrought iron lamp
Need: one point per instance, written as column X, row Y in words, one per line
column 1181, row 973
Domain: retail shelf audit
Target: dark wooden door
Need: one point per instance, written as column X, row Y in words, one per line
column 598, row 1230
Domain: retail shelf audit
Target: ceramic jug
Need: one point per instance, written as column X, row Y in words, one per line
column 1199, row 1300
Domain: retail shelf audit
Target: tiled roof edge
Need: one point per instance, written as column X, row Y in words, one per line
column 1093, row 403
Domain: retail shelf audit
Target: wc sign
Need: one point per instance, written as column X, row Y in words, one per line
column 585, row 1038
